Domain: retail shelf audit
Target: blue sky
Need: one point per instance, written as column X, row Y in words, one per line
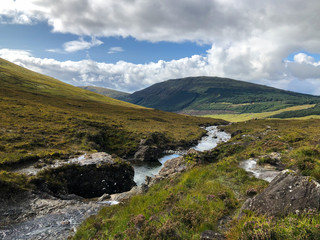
column 129, row 45
column 39, row 38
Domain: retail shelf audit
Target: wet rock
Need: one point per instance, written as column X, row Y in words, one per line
column 152, row 148
column 124, row 196
column 147, row 153
column 174, row 165
column 211, row 235
column 104, row 197
column 170, row 169
column 90, row 176
column 287, row 193
column 35, row 215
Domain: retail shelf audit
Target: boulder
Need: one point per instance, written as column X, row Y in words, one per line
column 151, row 149
column 169, row 169
column 172, row 166
column 89, row 176
column 287, row 193
column 125, row 196
column 104, row 197
column 148, row 153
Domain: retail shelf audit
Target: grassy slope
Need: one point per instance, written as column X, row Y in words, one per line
column 298, row 113
column 212, row 193
column 106, row 92
column 217, row 94
column 43, row 117
column 249, row 116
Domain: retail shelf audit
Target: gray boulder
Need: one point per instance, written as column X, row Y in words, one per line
column 287, row 193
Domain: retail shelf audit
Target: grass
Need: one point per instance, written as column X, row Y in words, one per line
column 180, row 208
column 216, row 95
column 106, row 92
column 42, row 117
column 209, row 196
column 305, row 226
column 249, row 116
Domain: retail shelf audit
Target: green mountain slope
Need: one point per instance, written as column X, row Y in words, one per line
column 299, row 113
column 42, row 117
column 216, row 95
column 106, row 92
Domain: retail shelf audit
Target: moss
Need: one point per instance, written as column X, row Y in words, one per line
column 41, row 115
column 294, row 226
column 198, row 200
column 12, row 183
column 178, row 208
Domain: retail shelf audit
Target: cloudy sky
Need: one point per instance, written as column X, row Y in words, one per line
column 131, row 44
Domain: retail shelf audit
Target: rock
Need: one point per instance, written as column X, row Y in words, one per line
column 174, row 165
column 151, row 149
column 35, row 215
column 169, row 169
column 274, row 159
column 211, row 235
column 147, row 153
column 287, row 193
column 89, row 176
column 192, row 151
column 124, row 196
column 104, row 197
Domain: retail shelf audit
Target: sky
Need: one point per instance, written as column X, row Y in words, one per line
column 128, row 45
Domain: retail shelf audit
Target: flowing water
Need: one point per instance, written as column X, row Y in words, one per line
column 62, row 221
column 266, row 172
column 210, row 141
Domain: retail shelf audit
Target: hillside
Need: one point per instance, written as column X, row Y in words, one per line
column 213, row 95
column 106, row 92
column 42, row 117
column 210, row 195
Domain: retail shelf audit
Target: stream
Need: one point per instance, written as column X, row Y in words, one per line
column 211, row 140
column 265, row 172
column 51, row 218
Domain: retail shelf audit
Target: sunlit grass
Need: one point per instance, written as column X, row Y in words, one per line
column 42, row 117
column 249, row 116
column 190, row 204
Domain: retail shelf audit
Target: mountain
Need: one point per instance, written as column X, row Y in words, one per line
column 106, row 92
column 42, row 117
column 205, row 95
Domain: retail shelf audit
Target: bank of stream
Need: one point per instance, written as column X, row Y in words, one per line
column 213, row 137
column 46, row 217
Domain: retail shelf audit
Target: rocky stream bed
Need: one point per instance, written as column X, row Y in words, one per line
column 54, row 212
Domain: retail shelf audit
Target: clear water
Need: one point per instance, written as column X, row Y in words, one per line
column 210, row 141
column 63, row 222
column 260, row 172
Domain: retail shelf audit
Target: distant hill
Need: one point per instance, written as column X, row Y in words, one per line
column 211, row 95
column 42, row 117
column 106, row 92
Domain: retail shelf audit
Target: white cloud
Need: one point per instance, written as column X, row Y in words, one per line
column 131, row 77
column 250, row 39
column 74, row 46
column 115, row 50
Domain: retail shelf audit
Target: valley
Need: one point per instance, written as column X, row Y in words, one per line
column 68, row 154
